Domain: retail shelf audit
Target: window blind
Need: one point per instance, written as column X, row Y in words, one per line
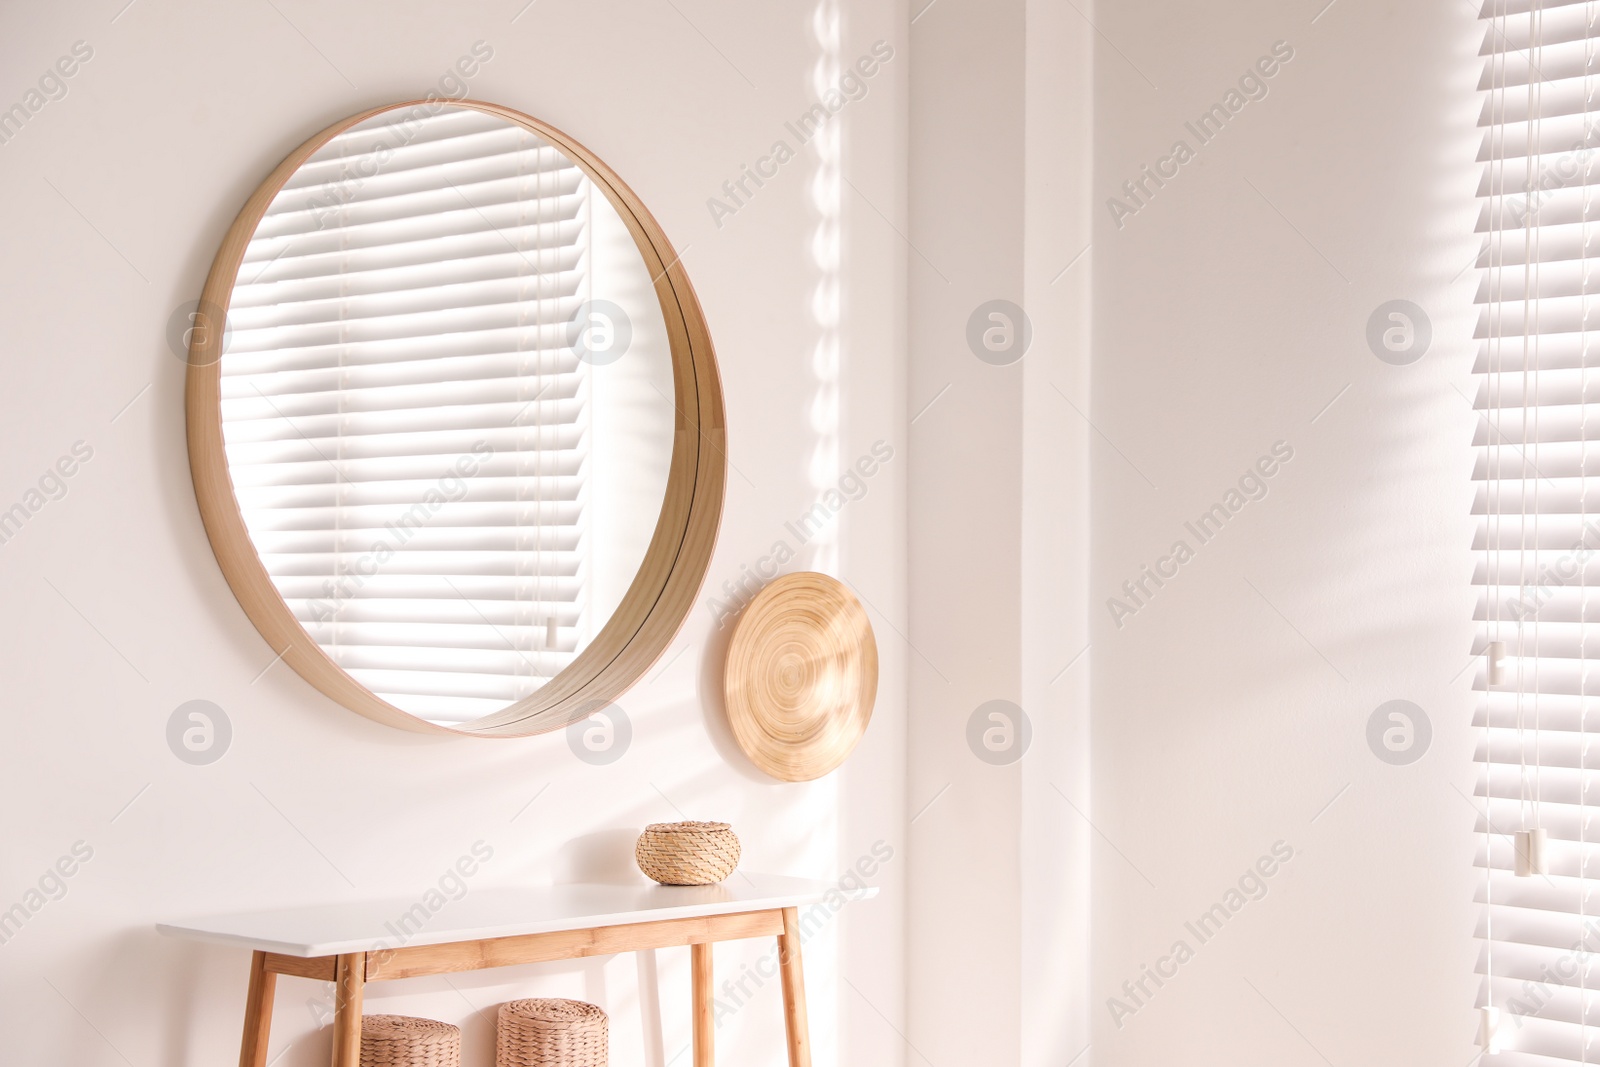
column 1538, row 530
column 405, row 420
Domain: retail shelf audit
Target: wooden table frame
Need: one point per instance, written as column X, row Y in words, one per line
column 350, row 973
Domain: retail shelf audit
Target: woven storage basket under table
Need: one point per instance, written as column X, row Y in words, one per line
column 551, row 1033
column 401, row 1041
column 687, row 853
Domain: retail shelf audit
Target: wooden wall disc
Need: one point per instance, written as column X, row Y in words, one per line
column 802, row 675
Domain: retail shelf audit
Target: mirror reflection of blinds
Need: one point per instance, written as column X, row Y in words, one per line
column 404, row 417
column 1538, row 526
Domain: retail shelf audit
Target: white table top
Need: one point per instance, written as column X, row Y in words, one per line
column 370, row 926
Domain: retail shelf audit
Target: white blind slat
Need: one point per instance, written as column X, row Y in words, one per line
column 1538, row 545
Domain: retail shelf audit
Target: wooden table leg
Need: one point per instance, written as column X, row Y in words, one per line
column 257, row 1013
column 794, row 990
column 350, row 978
column 704, row 1018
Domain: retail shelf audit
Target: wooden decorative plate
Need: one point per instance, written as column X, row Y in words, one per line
column 802, row 675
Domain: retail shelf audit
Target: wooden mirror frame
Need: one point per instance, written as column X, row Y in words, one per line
column 669, row 579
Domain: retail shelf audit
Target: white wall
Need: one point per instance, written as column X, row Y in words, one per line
column 117, row 196
column 1057, row 838
column 999, row 191
column 964, row 505
column 1230, row 711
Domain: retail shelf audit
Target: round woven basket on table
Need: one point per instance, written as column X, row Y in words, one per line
column 401, row 1041
column 551, row 1033
column 687, row 853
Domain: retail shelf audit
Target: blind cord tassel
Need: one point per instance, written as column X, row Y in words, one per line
column 1532, row 854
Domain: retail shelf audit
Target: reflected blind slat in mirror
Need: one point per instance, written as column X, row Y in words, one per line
column 404, row 418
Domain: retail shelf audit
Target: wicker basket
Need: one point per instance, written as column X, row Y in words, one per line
column 687, row 853
column 551, row 1033
column 401, row 1041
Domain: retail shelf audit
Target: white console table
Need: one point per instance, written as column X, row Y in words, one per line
column 355, row 943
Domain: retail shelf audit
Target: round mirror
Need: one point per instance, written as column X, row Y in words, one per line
column 454, row 421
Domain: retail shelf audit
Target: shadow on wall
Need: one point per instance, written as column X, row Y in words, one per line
column 713, row 710
column 605, row 856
